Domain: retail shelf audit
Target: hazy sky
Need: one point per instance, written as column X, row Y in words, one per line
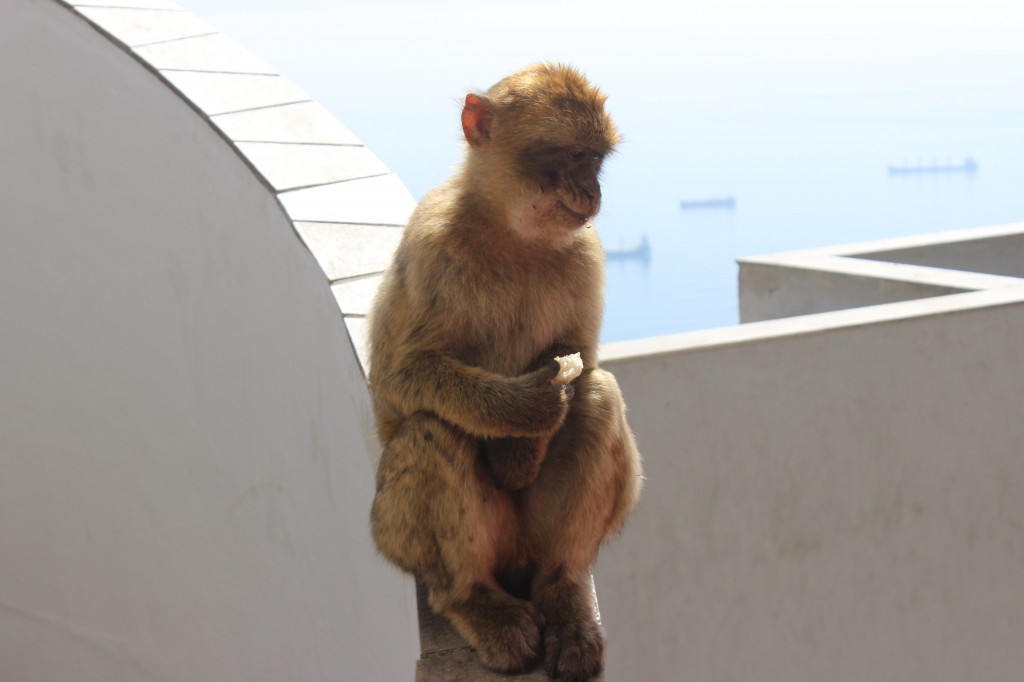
column 795, row 106
column 395, row 72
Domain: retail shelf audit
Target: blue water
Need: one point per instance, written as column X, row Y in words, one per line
column 802, row 177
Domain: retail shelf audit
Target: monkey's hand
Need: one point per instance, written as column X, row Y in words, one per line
column 513, row 462
column 541, row 401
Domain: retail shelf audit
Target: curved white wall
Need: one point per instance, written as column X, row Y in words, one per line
column 184, row 479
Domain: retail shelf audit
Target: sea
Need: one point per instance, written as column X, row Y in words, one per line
column 808, row 174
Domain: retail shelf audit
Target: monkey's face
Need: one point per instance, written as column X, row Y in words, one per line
column 561, row 187
column 538, row 139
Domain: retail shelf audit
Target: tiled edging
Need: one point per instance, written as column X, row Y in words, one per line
column 344, row 203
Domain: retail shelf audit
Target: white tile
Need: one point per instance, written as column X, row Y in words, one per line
column 359, row 332
column 136, row 27
column 303, row 122
column 289, row 166
column 382, row 200
column 219, row 93
column 355, row 296
column 350, row 250
column 214, row 52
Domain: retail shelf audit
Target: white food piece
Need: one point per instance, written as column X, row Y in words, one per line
column 572, row 367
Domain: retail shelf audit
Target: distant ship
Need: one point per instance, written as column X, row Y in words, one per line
column 716, row 202
column 640, row 252
column 968, row 166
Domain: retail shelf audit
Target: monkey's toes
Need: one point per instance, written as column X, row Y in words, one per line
column 574, row 652
column 512, row 641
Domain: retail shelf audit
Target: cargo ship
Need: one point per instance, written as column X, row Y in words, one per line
column 639, row 252
column 716, row 202
column 969, row 165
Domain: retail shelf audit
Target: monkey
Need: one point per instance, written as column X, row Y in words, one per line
column 497, row 485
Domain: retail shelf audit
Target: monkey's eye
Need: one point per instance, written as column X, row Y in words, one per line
column 576, row 153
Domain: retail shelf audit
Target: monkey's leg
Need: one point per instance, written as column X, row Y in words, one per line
column 587, row 485
column 437, row 515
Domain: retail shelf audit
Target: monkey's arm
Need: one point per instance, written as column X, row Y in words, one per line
column 515, row 462
column 482, row 403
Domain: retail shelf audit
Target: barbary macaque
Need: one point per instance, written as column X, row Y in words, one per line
column 498, row 480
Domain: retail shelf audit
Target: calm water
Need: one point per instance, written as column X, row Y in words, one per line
column 801, row 179
column 794, row 107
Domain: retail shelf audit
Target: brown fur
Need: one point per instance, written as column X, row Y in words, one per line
column 496, row 486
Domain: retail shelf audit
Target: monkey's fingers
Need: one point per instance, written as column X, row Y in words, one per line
column 547, row 373
column 552, row 373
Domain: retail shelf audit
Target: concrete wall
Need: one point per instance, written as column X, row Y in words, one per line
column 829, row 497
column 185, row 447
column 874, row 273
column 996, row 251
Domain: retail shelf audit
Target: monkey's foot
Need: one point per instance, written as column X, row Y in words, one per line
column 505, row 631
column 574, row 652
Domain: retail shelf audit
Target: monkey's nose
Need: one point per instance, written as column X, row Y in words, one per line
column 592, row 192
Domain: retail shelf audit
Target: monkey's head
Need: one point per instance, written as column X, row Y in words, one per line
column 537, row 140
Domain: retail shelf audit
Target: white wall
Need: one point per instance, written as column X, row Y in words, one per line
column 770, row 290
column 184, row 429
column 996, row 251
column 874, row 273
column 832, row 497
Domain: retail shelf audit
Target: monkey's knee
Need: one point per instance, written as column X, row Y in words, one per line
column 393, row 524
column 595, row 474
column 416, row 490
column 624, row 469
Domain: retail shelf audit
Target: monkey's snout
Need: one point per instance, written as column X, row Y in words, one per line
column 589, row 199
column 584, row 201
column 591, row 204
column 581, row 211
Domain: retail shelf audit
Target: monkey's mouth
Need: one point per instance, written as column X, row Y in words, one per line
column 581, row 218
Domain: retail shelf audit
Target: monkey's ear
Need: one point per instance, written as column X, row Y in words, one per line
column 477, row 119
